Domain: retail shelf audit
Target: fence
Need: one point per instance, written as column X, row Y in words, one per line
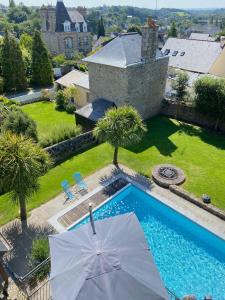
column 188, row 114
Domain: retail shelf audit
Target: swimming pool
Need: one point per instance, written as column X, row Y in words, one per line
column 190, row 259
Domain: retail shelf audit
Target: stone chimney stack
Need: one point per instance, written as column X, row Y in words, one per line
column 149, row 40
column 82, row 10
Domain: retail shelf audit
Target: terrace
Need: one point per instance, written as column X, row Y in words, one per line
column 57, row 215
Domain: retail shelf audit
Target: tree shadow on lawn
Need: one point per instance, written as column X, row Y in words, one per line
column 160, row 128
column 18, row 258
column 158, row 131
column 210, row 137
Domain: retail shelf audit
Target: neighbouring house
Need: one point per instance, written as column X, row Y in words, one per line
column 128, row 70
column 198, row 56
column 65, row 30
column 202, row 37
column 81, row 81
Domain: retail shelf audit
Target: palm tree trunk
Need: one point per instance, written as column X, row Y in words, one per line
column 115, row 157
column 4, row 275
column 23, row 210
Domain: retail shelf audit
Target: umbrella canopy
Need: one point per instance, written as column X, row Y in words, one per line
column 113, row 264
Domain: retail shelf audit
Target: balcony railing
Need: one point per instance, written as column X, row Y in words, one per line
column 43, row 292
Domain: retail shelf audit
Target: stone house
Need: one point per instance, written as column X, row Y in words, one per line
column 65, row 30
column 128, row 70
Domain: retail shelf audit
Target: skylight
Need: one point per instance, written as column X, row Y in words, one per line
column 167, row 51
column 175, row 53
column 182, row 54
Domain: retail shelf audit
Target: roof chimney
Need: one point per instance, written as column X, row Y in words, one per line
column 149, row 40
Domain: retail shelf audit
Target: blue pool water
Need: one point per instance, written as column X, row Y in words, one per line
column 190, row 259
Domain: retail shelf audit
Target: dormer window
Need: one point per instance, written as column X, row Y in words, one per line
column 167, row 51
column 84, row 27
column 77, row 27
column 66, row 25
column 175, row 53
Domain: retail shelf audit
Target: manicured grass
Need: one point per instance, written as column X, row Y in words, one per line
column 199, row 153
column 47, row 117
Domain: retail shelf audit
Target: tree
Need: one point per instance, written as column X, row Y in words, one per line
column 210, row 97
column 120, row 127
column 173, row 30
column 41, row 67
column 60, row 100
column 22, row 162
column 134, row 29
column 13, row 69
column 180, row 86
column 101, row 28
column 19, row 122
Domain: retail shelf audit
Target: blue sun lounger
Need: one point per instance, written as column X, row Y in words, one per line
column 66, row 188
column 79, row 181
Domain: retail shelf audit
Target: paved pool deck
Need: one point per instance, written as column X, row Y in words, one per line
column 38, row 221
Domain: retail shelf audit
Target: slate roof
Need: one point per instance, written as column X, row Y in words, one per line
column 74, row 77
column 199, row 36
column 198, row 56
column 4, row 246
column 63, row 14
column 121, row 52
column 95, row 110
column 75, row 16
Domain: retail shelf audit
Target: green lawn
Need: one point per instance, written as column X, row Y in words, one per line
column 47, row 117
column 199, row 153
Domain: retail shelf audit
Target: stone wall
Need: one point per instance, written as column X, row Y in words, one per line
column 146, row 86
column 197, row 201
column 108, row 82
column 55, row 41
column 141, row 85
column 65, row 149
column 188, row 114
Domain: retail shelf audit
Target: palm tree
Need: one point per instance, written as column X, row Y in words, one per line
column 120, row 127
column 21, row 163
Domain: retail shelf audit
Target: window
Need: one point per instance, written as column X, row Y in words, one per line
column 66, row 25
column 182, row 54
column 79, row 41
column 84, row 27
column 167, row 51
column 77, row 27
column 68, row 43
column 175, row 53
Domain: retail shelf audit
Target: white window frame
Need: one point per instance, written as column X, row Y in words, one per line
column 67, row 27
column 84, row 27
column 77, row 26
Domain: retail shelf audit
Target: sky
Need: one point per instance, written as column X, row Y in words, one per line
column 139, row 3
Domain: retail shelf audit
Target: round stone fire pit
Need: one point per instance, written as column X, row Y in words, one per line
column 166, row 175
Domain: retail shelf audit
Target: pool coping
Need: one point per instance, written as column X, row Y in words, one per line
column 203, row 222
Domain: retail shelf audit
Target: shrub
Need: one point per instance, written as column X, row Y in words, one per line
column 70, row 108
column 18, row 122
column 60, row 133
column 46, row 95
column 39, row 253
column 7, row 102
column 60, row 100
column 83, row 67
column 210, row 97
column 70, row 93
column 58, row 60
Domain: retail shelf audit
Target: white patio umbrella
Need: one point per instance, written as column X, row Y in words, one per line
column 109, row 260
